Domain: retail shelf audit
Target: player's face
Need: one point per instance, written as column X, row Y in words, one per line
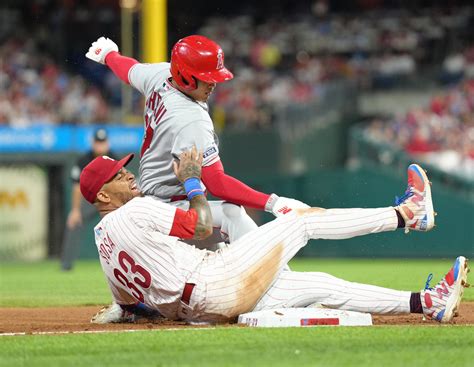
column 202, row 92
column 122, row 188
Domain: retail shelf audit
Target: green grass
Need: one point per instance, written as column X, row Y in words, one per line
column 43, row 284
column 376, row 346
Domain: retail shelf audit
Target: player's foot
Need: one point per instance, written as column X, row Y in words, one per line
column 112, row 314
column 416, row 206
column 441, row 302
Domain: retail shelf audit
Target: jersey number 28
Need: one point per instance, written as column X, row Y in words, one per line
column 141, row 279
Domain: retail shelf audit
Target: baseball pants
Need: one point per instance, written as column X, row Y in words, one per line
column 247, row 275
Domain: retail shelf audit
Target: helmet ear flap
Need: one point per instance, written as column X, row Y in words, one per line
column 189, row 81
column 184, row 79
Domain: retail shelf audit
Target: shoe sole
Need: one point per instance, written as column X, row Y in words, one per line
column 430, row 221
column 452, row 305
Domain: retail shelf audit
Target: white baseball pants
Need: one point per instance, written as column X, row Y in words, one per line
column 248, row 274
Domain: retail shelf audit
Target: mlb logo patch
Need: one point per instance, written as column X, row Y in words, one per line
column 209, row 152
column 98, row 232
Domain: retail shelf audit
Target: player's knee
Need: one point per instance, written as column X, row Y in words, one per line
column 310, row 211
column 233, row 211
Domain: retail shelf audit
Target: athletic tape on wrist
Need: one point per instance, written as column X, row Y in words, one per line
column 192, row 186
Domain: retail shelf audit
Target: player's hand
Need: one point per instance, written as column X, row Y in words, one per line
column 189, row 165
column 74, row 219
column 100, row 49
column 279, row 206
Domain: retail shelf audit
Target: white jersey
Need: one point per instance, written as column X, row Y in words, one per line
column 173, row 124
column 139, row 258
column 142, row 263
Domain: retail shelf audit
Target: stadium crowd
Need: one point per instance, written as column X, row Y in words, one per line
column 277, row 62
column 441, row 133
column 36, row 90
column 289, row 61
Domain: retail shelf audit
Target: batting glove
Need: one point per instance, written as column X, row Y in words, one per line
column 279, row 206
column 100, row 49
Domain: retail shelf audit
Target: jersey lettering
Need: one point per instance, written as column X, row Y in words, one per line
column 143, row 278
column 106, row 247
column 155, row 110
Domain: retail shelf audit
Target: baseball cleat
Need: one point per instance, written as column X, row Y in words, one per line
column 441, row 303
column 112, row 314
column 416, row 205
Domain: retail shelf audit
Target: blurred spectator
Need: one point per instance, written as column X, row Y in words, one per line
column 81, row 211
column 287, row 61
column 441, row 134
column 278, row 61
column 35, row 90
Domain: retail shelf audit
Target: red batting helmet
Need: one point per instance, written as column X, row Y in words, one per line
column 197, row 57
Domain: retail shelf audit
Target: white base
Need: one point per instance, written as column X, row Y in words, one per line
column 287, row 317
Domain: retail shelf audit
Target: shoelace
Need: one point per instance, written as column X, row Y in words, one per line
column 428, row 280
column 400, row 200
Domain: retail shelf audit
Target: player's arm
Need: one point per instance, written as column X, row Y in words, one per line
column 230, row 189
column 197, row 221
column 217, row 182
column 105, row 51
column 75, row 217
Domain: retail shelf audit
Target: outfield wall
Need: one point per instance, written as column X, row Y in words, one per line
column 375, row 186
column 265, row 161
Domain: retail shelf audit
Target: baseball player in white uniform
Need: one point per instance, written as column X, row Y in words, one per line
column 146, row 264
column 176, row 118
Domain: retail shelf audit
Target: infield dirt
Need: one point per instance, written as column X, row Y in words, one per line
column 73, row 319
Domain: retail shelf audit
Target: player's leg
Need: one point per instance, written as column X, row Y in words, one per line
column 235, row 221
column 230, row 222
column 414, row 211
column 292, row 231
column 244, row 270
column 70, row 249
column 237, row 276
column 72, row 237
column 295, row 289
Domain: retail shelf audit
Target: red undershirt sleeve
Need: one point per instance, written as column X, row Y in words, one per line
column 230, row 189
column 120, row 65
column 184, row 223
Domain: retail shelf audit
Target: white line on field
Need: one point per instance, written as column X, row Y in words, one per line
column 99, row 331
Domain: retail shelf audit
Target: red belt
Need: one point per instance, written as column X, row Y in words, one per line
column 182, row 197
column 178, row 198
column 188, row 290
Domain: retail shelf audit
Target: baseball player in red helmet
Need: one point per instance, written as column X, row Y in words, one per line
column 176, row 117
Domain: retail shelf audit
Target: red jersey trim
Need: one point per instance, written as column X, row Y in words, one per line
column 120, row 65
column 230, row 189
column 184, row 223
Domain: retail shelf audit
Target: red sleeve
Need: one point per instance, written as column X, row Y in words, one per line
column 230, row 189
column 120, row 65
column 184, row 223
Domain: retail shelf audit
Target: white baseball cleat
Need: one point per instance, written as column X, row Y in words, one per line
column 416, row 205
column 441, row 303
column 112, row 314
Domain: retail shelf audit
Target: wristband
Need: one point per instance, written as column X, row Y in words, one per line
column 271, row 202
column 193, row 187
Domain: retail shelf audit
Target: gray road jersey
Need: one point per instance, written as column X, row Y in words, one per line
column 173, row 124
